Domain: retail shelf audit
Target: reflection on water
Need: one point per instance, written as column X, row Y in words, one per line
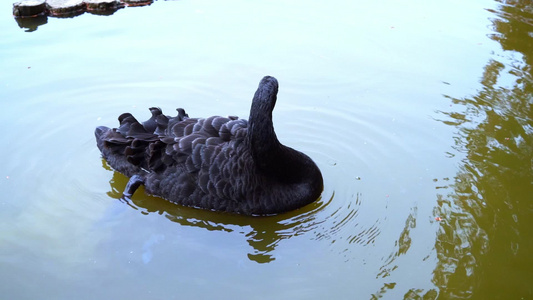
column 484, row 244
column 403, row 214
column 262, row 233
column 33, row 22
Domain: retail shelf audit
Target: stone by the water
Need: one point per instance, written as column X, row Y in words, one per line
column 65, row 7
column 103, row 5
column 29, row 8
column 137, row 2
column 68, row 8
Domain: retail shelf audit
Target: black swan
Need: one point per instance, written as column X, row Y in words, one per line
column 217, row 163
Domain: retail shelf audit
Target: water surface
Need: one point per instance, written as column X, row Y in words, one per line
column 417, row 113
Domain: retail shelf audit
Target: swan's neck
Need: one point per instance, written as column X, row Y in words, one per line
column 265, row 147
column 275, row 160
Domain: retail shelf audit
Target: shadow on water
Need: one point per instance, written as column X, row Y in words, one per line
column 484, row 244
column 263, row 234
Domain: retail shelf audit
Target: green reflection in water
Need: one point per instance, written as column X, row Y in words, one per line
column 403, row 244
column 485, row 240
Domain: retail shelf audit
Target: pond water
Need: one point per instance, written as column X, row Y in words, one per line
column 418, row 113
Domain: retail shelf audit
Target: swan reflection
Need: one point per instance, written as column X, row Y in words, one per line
column 263, row 234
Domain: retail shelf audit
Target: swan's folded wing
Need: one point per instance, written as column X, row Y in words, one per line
column 192, row 141
column 164, row 141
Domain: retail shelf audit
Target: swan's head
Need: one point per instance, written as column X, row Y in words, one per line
column 266, row 94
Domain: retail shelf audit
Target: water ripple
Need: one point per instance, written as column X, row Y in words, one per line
column 347, row 144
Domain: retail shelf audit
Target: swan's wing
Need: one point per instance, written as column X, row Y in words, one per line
column 163, row 141
column 195, row 144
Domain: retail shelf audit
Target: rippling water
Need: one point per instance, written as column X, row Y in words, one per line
column 418, row 115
